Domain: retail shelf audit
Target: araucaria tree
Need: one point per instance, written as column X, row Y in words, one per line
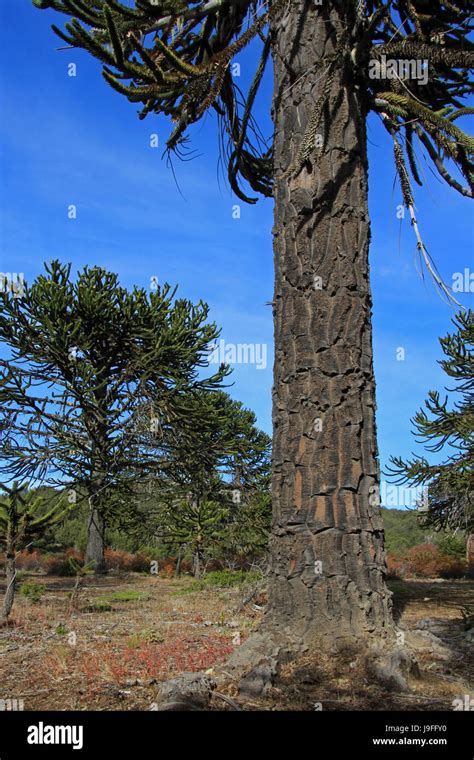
column 331, row 68
column 89, row 361
column 208, row 476
column 448, row 427
column 23, row 518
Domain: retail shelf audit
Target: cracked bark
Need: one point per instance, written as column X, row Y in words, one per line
column 323, row 479
column 96, row 522
column 95, row 550
column 10, row 587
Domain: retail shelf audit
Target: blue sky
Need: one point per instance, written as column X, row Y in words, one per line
column 72, row 140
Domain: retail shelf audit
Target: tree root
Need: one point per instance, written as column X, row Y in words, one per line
column 255, row 666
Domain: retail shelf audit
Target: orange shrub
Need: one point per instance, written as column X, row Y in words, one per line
column 63, row 563
column 450, row 567
column 396, row 567
column 115, row 559
column 425, row 561
column 167, row 569
column 32, row 561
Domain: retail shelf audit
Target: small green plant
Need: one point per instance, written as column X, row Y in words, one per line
column 32, row 591
column 105, row 602
column 61, row 629
column 123, row 596
column 151, row 636
column 146, row 636
column 65, row 567
column 191, row 589
column 220, row 579
column 97, row 606
column 467, row 613
column 134, row 641
column 230, row 578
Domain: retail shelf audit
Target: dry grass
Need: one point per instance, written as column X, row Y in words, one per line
column 121, row 635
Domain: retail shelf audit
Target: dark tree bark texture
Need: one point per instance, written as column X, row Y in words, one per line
column 327, row 583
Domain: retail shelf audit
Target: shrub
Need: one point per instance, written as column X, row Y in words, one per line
column 467, row 612
column 124, row 596
column 167, row 569
column 105, row 603
column 64, row 564
column 450, row 567
column 147, row 635
column 32, row 591
column 229, row 578
column 396, row 567
column 116, row 559
column 186, row 565
column 220, row 579
column 425, row 561
column 97, row 606
column 29, row 560
column 452, row 545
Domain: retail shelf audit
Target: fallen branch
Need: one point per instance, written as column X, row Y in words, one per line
column 227, row 699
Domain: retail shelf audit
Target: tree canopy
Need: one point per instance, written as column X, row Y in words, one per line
column 173, row 58
column 207, row 486
column 89, row 361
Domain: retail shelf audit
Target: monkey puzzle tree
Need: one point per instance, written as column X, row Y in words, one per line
column 22, row 519
column 207, row 476
column 173, row 57
column 450, row 484
column 88, row 360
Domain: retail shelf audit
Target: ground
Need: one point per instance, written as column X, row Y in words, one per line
column 107, row 645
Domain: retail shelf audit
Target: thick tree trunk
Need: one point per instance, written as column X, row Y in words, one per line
column 96, row 541
column 197, row 563
column 10, row 576
column 177, row 571
column 327, row 583
column 470, row 555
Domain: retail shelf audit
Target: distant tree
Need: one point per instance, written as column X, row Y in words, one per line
column 402, row 530
column 23, row 518
column 450, row 503
column 88, row 361
column 452, row 545
column 246, row 532
column 194, row 522
column 209, row 476
column 244, row 536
